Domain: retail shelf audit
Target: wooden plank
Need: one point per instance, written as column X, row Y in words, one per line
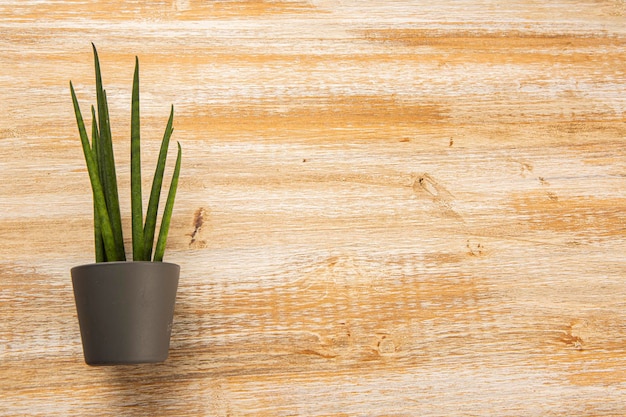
column 385, row 208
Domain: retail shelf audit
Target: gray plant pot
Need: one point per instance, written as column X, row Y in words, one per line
column 125, row 310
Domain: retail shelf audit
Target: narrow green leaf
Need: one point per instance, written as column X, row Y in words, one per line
column 155, row 192
column 109, row 182
column 167, row 213
column 98, row 242
column 106, row 163
column 98, row 193
column 135, row 171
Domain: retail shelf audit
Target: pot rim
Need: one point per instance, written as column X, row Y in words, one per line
column 102, row 264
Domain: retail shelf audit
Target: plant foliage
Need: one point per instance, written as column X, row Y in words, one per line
column 108, row 235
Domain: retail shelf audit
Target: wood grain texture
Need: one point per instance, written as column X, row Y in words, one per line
column 385, row 208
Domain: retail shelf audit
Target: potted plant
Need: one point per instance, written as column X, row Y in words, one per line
column 125, row 308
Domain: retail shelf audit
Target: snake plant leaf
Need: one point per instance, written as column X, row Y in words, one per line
column 167, row 212
column 98, row 193
column 155, row 192
column 135, row 172
column 106, row 162
column 98, row 242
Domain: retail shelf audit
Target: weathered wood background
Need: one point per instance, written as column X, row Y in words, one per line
column 397, row 207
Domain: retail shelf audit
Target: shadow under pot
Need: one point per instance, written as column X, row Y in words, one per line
column 125, row 310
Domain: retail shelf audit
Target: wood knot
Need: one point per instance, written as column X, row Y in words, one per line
column 200, row 217
column 386, row 346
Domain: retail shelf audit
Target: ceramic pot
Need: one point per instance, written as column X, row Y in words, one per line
column 125, row 310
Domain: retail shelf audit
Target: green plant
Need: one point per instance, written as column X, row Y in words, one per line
column 109, row 240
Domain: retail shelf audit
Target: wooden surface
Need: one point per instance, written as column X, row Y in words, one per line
column 387, row 208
